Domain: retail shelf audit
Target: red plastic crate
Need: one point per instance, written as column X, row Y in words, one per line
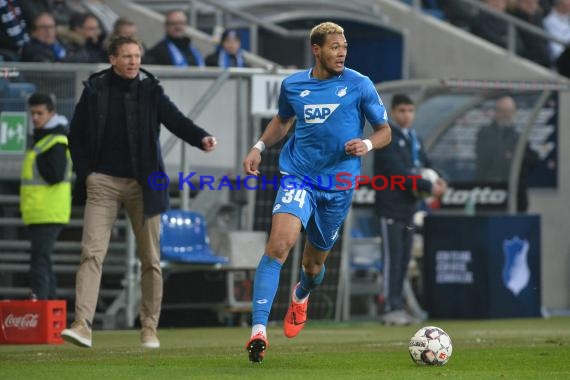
column 32, row 322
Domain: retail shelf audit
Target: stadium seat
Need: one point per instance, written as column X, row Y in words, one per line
column 184, row 239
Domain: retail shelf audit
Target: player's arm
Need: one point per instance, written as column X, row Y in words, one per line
column 276, row 130
column 381, row 137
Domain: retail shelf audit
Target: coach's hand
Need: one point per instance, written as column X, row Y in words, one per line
column 209, row 143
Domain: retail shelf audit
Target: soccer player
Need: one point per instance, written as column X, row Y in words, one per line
column 330, row 103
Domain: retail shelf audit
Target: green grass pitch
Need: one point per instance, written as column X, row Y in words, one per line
column 486, row 349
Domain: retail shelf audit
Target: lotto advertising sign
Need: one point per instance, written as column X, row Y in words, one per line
column 483, row 196
column 32, row 322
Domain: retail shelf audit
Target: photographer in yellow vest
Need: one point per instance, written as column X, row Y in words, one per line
column 45, row 191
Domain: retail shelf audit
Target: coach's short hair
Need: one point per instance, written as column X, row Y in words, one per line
column 319, row 33
column 119, row 41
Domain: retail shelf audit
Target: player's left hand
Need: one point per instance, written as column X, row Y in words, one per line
column 355, row 147
column 209, row 143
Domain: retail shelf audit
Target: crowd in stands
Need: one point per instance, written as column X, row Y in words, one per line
column 552, row 16
column 80, row 32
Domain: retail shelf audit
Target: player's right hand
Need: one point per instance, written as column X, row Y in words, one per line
column 251, row 162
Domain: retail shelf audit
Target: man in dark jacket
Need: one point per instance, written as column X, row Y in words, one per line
column 533, row 47
column 229, row 53
column 44, row 45
column 176, row 48
column 404, row 156
column 495, row 148
column 115, row 146
column 45, row 192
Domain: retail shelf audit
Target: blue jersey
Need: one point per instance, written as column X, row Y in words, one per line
column 329, row 113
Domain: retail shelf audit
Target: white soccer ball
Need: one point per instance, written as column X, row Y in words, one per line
column 429, row 175
column 430, row 345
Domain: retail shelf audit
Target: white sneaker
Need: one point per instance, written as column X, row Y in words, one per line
column 397, row 318
column 79, row 334
column 149, row 339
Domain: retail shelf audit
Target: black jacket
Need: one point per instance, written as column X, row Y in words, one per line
column 533, row 47
column 144, row 117
column 53, row 162
column 396, row 159
column 494, row 149
column 36, row 51
column 159, row 54
column 493, row 29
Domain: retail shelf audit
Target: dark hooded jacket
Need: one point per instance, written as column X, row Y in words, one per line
column 146, row 108
column 396, row 160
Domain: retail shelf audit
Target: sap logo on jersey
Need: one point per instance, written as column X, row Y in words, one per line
column 318, row 113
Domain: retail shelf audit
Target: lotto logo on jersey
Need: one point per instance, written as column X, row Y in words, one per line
column 318, row 113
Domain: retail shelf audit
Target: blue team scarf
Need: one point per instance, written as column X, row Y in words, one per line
column 224, row 59
column 415, row 143
column 58, row 51
column 179, row 59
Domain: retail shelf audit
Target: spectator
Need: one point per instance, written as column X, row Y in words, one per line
column 229, row 52
column 490, row 27
column 123, row 28
column 85, row 39
column 395, row 208
column 557, row 23
column 495, row 148
column 533, row 47
column 44, row 46
column 13, row 30
column 115, row 146
column 45, row 191
column 176, row 48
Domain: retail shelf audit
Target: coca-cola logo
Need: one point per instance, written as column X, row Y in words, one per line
column 26, row 321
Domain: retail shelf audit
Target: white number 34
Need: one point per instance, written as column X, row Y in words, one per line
column 297, row 195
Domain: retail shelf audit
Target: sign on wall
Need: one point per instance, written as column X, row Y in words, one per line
column 265, row 94
column 13, row 132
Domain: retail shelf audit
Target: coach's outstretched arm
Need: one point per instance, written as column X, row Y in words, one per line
column 276, row 130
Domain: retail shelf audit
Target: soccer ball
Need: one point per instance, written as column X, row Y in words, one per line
column 429, row 175
column 430, row 345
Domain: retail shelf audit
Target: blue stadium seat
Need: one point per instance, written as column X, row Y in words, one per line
column 184, row 239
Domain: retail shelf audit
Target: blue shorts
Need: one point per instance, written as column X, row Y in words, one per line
column 321, row 212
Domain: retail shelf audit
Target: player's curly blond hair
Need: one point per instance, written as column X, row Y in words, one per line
column 320, row 32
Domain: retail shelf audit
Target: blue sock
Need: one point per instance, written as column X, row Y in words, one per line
column 265, row 286
column 309, row 283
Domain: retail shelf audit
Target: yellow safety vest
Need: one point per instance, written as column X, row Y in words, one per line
column 41, row 202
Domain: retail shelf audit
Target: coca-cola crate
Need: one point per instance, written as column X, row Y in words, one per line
column 32, row 322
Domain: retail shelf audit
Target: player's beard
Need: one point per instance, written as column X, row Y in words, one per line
column 331, row 71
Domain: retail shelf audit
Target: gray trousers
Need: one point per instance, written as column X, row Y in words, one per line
column 397, row 238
